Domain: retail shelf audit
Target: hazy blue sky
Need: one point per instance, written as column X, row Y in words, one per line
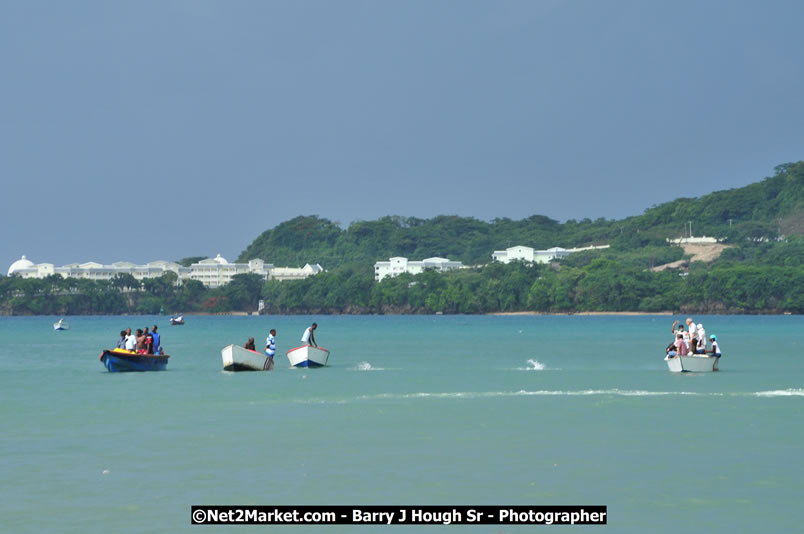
column 144, row 130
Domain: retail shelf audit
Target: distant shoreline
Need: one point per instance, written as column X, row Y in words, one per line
column 626, row 313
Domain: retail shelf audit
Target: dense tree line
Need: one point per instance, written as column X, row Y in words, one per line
column 762, row 273
column 755, row 278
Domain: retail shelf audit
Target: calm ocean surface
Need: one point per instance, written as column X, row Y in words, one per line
column 467, row 410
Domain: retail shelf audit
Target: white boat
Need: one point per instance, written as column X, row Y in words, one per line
column 308, row 356
column 693, row 363
column 237, row 358
column 61, row 325
column 177, row 321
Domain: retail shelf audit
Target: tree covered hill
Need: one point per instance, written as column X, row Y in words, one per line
column 762, row 210
column 759, row 273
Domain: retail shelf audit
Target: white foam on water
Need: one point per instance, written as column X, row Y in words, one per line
column 526, row 393
column 533, row 365
column 366, row 366
column 781, row 393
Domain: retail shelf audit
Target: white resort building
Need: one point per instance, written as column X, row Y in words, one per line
column 529, row 255
column 399, row 265
column 212, row 272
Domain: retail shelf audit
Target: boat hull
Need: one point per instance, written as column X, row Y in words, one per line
column 308, row 356
column 61, row 326
column 117, row 361
column 237, row 358
column 697, row 363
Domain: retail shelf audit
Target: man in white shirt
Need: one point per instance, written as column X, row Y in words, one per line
column 689, row 337
column 131, row 340
column 309, row 337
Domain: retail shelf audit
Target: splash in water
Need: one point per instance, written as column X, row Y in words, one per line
column 366, row 366
column 534, row 365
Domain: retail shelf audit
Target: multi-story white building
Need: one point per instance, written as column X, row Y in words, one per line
column 294, row 273
column 530, row 255
column 94, row 271
column 212, row 272
column 398, row 265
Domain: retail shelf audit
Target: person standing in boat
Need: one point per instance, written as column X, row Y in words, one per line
column 700, row 336
column 689, row 336
column 270, row 349
column 309, row 337
column 121, row 343
column 676, row 329
column 140, row 341
column 131, row 341
column 149, row 342
column 157, row 341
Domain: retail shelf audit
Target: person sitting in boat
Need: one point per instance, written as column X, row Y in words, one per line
column 675, row 330
column 700, row 336
column 715, row 350
column 157, row 341
column 121, row 343
column 309, row 337
column 680, row 347
column 140, row 341
column 131, row 340
column 250, row 344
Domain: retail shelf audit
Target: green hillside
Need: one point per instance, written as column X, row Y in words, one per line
column 765, row 209
column 762, row 271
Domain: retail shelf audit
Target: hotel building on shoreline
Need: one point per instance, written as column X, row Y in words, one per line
column 212, row 272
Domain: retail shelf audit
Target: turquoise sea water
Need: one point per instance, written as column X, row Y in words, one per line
column 527, row 410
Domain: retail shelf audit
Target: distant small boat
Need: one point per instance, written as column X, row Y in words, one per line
column 308, row 356
column 121, row 360
column 177, row 320
column 237, row 358
column 693, row 363
column 61, row 325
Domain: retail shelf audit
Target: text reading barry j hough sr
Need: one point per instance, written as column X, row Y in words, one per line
column 398, row 515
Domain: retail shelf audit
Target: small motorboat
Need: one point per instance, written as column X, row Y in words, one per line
column 692, row 363
column 121, row 360
column 61, row 325
column 308, row 356
column 237, row 358
column 178, row 320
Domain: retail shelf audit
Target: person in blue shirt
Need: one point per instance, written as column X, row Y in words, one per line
column 157, row 341
column 121, row 343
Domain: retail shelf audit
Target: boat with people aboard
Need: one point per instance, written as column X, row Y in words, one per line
column 122, row 360
column 237, row 358
column 61, row 325
column 308, row 356
column 177, row 320
column 687, row 353
column 692, row 363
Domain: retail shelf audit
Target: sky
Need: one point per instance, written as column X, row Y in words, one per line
column 163, row 129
